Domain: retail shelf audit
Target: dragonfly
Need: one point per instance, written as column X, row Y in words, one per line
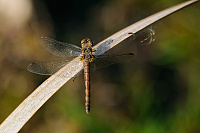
column 70, row 51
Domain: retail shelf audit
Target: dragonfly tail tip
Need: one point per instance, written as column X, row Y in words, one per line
column 87, row 112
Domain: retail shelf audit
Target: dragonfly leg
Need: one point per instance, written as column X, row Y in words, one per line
column 132, row 34
column 75, row 76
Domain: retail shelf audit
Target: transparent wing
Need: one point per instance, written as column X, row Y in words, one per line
column 59, row 48
column 107, row 60
column 46, row 67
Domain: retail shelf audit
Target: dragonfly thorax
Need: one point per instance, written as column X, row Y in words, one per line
column 87, row 54
column 87, row 50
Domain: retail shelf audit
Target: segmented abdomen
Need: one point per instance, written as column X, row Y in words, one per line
column 87, row 86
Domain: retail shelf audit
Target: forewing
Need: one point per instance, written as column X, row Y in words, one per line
column 107, row 60
column 46, row 67
column 59, row 48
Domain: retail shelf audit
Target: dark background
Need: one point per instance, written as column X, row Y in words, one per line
column 157, row 92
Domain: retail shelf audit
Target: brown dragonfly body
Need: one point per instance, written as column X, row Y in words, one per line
column 88, row 58
column 71, row 51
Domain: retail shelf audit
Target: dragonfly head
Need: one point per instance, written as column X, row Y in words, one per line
column 86, row 42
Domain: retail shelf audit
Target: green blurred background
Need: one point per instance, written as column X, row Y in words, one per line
column 158, row 92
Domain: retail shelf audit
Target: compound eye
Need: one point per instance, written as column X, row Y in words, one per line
column 86, row 40
column 82, row 41
column 90, row 41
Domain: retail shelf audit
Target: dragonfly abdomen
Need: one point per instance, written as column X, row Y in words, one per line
column 87, row 86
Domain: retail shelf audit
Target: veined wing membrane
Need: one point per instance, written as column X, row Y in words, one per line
column 47, row 67
column 59, row 48
column 102, row 61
